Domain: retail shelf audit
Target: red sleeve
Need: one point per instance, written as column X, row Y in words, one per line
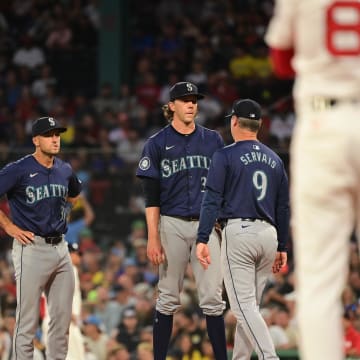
column 43, row 305
column 281, row 62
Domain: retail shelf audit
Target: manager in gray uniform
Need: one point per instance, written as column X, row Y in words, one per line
column 38, row 188
column 247, row 190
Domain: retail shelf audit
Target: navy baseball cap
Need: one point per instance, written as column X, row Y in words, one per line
column 245, row 108
column 44, row 124
column 184, row 88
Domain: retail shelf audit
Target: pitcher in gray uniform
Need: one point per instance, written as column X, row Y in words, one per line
column 173, row 168
column 247, row 190
column 39, row 188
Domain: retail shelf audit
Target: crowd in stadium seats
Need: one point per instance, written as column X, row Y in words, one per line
column 48, row 59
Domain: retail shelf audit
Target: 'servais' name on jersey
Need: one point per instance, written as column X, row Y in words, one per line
column 257, row 156
column 34, row 194
column 170, row 167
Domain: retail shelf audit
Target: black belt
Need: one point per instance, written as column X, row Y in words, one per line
column 186, row 218
column 223, row 222
column 53, row 240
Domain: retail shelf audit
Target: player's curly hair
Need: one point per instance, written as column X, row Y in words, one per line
column 168, row 114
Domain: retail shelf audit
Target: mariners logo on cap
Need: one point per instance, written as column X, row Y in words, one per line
column 144, row 163
column 51, row 121
column 189, row 87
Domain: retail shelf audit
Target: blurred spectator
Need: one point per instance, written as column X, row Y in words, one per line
column 39, row 85
column 136, row 202
column 81, row 106
column 29, row 54
column 128, row 101
column 131, row 270
column 146, row 334
column 172, row 79
column 148, row 91
column 137, row 231
column 91, row 263
column 354, row 282
column 87, row 241
column 348, row 296
column 128, row 331
column 87, row 130
column 210, row 111
column 187, row 335
column 50, row 100
column 81, row 217
column 282, row 124
column 261, row 63
column 5, row 240
column 25, row 106
column 186, row 347
column 60, row 36
column 351, row 338
column 207, row 350
column 169, row 42
column 118, row 352
column 230, row 328
column 283, row 322
column 79, row 163
column 12, row 89
column 119, row 131
column 112, row 314
column 144, row 306
column 197, row 75
column 222, row 87
column 277, row 287
column 8, row 332
column 5, row 131
column 95, row 339
column 106, row 99
column 5, row 343
column 241, row 64
column 84, row 34
column 130, row 148
column 91, row 10
column 144, row 351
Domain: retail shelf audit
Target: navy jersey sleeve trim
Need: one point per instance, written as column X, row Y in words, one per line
column 151, row 189
column 208, row 215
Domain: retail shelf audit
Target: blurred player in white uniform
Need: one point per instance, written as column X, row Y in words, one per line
column 319, row 41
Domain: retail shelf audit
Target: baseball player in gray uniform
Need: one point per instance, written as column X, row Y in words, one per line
column 39, row 187
column 247, row 190
column 174, row 166
column 319, row 41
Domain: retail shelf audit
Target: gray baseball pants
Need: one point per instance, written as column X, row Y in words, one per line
column 247, row 255
column 41, row 267
column 178, row 238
